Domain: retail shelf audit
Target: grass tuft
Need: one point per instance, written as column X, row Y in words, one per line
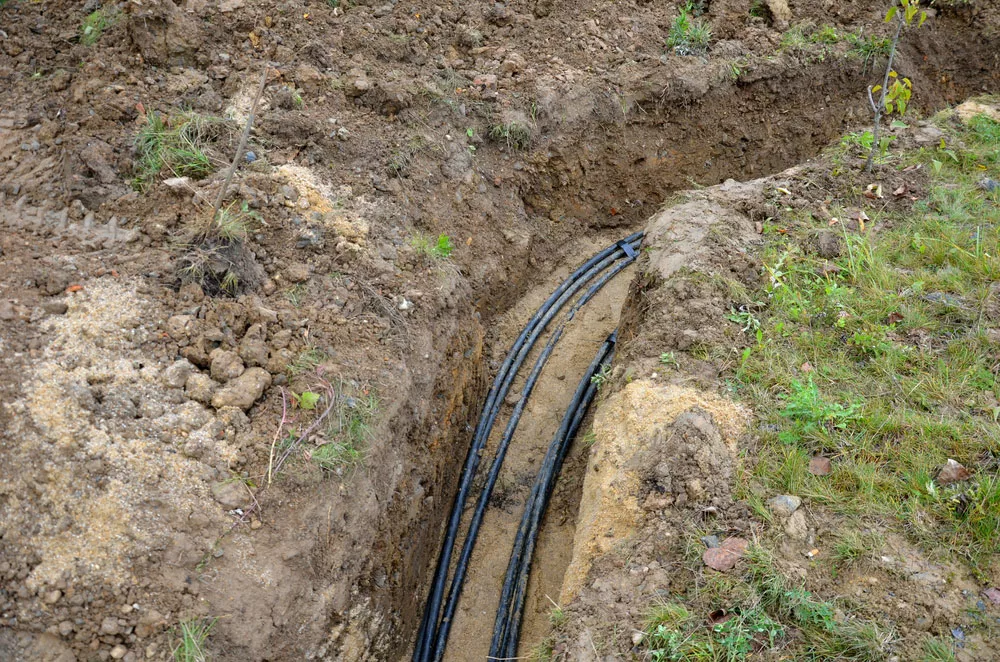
column 96, row 23
column 514, row 134
column 193, row 635
column 689, row 35
column 178, row 145
column 348, row 429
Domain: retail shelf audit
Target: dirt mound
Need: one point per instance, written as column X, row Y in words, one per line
column 657, row 447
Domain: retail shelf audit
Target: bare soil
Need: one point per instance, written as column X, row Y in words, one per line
column 124, row 477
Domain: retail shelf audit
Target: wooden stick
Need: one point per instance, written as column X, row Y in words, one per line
column 242, row 146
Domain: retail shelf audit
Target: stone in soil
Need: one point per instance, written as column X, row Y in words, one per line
column 819, row 466
column 243, row 391
column 784, row 505
column 200, row 387
column 226, row 365
column 724, row 557
column 952, row 472
column 230, row 493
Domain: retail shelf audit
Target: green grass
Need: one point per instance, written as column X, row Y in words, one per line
column 514, row 134
column 439, row 249
column 178, row 145
column 870, row 49
column 306, row 361
column 348, row 428
column 688, row 35
column 902, row 346
column 937, row 650
column 96, row 23
column 193, row 635
column 755, row 611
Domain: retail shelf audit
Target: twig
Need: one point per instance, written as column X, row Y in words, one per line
column 242, row 145
column 277, row 434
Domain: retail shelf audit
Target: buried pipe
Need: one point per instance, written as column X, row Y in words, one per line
column 507, row 628
column 433, row 633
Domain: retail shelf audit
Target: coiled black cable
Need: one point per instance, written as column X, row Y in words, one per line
column 429, row 644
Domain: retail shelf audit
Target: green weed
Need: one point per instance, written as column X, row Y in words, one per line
column 193, row 635
column 440, row 249
column 688, row 35
column 348, row 429
column 889, row 407
column 306, row 361
column 514, row 134
column 601, row 378
column 178, row 144
column 96, row 23
column 870, row 49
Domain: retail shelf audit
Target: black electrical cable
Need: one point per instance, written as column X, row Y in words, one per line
column 506, row 629
column 461, row 567
column 501, row 385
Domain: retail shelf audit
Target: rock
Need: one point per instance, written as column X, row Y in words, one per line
column 308, row 77
column 310, row 237
column 724, row 557
column 952, row 472
column 993, row 595
column 819, row 466
column 55, row 307
column 227, row 6
column 200, row 387
column 226, row 365
column 98, row 155
column 229, row 493
column 55, row 282
column 118, row 652
column 149, row 623
column 243, row 391
column 796, row 526
column 192, row 416
column 66, row 628
column 178, row 183
column 179, row 327
column 298, row 272
column 176, row 374
column 780, row 12
column 989, row 184
column 784, row 505
column 52, row 597
column 966, row 111
column 253, row 347
column 110, row 625
column 710, row 541
column 928, row 135
column 826, row 243
column 357, row 87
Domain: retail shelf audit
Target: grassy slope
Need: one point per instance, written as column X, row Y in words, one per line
column 885, row 362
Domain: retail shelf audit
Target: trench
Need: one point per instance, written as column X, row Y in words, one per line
column 778, row 124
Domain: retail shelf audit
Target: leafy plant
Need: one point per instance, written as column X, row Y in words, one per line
column 306, row 400
column 441, row 249
column 806, row 406
column 688, row 35
column 894, row 93
column 669, row 359
column 601, row 378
